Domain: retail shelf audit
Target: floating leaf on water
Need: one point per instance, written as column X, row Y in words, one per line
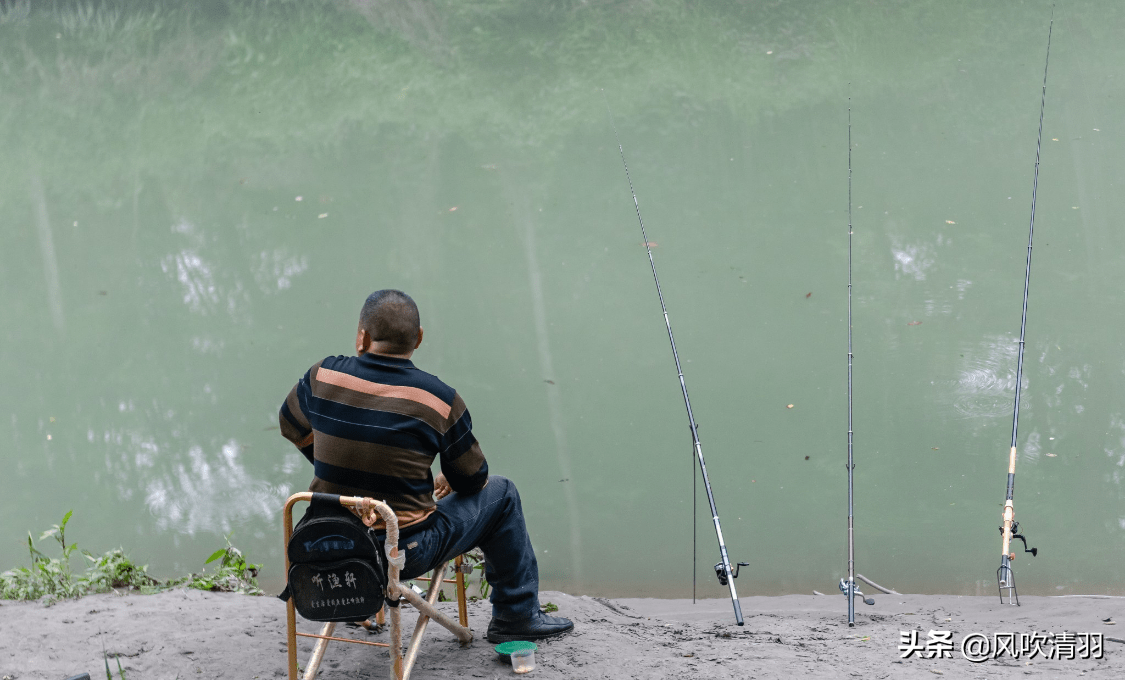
column 789, row 406
column 649, row 244
column 453, row 209
column 322, row 216
column 1054, row 139
column 950, row 222
column 1052, row 455
column 549, row 382
column 934, row 448
column 299, row 198
column 914, row 323
column 808, row 295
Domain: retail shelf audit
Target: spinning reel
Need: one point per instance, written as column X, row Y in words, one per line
column 722, row 574
column 855, row 591
column 1016, row 534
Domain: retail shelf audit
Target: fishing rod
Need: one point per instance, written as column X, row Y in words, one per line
column 1005, row 578
column 722, row 569
column 848, row 587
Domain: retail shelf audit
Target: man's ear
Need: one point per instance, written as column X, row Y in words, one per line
column 419, row 343
column 362, row 342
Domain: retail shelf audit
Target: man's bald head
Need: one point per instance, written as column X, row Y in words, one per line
column 390, row 318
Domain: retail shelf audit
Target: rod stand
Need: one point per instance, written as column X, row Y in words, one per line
column 1006, row 580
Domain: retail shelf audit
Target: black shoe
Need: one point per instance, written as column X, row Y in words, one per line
column 539, row 627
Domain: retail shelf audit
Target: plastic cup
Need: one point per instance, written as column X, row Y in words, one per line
column 523, row 660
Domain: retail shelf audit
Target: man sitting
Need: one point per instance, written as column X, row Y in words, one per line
column 372, row 425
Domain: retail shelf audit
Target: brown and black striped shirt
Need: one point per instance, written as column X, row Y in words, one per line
column 372, row 425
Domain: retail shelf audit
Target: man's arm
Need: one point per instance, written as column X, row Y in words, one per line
column 462, row 463
column 294, row 423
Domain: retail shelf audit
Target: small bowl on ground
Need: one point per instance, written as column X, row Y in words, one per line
column 523, row 660
column 505, row 649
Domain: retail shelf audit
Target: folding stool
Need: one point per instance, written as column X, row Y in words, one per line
column 401, row 666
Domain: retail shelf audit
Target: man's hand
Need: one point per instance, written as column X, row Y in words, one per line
column 441, row 487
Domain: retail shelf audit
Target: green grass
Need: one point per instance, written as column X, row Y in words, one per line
column 120, row 670
column 51, row 579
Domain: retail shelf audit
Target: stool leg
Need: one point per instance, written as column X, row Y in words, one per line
column 462, row 605
column 381, row 617
column 291, row 638
column 396, row 643
column 420, row 628
column 318, row 652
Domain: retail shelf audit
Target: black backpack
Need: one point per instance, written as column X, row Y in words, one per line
column 337, row 571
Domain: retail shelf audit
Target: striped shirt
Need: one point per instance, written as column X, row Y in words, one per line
column 372, row 426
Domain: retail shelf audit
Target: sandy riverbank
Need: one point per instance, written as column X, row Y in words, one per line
column 189, row 634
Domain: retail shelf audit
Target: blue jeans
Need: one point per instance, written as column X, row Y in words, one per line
column 491, row 519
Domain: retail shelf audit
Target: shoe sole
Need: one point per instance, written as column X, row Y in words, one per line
column 498, row 638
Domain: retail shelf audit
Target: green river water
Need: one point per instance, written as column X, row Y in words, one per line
column 196, row 198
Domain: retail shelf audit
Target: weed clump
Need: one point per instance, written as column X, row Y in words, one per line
column 234, row 574
column 51, row 579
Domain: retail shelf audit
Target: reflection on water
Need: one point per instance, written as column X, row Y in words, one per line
column 275, row 270
column 200, row 492
column 913, row 259
column 1117, row 453
column 200, row 293
column 47, row 247
column 523, row 217
column 987, row 382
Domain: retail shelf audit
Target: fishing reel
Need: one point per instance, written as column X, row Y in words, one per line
column 855, row 591
column 1005, row 577
column 1016, row 534
column 722, row 573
